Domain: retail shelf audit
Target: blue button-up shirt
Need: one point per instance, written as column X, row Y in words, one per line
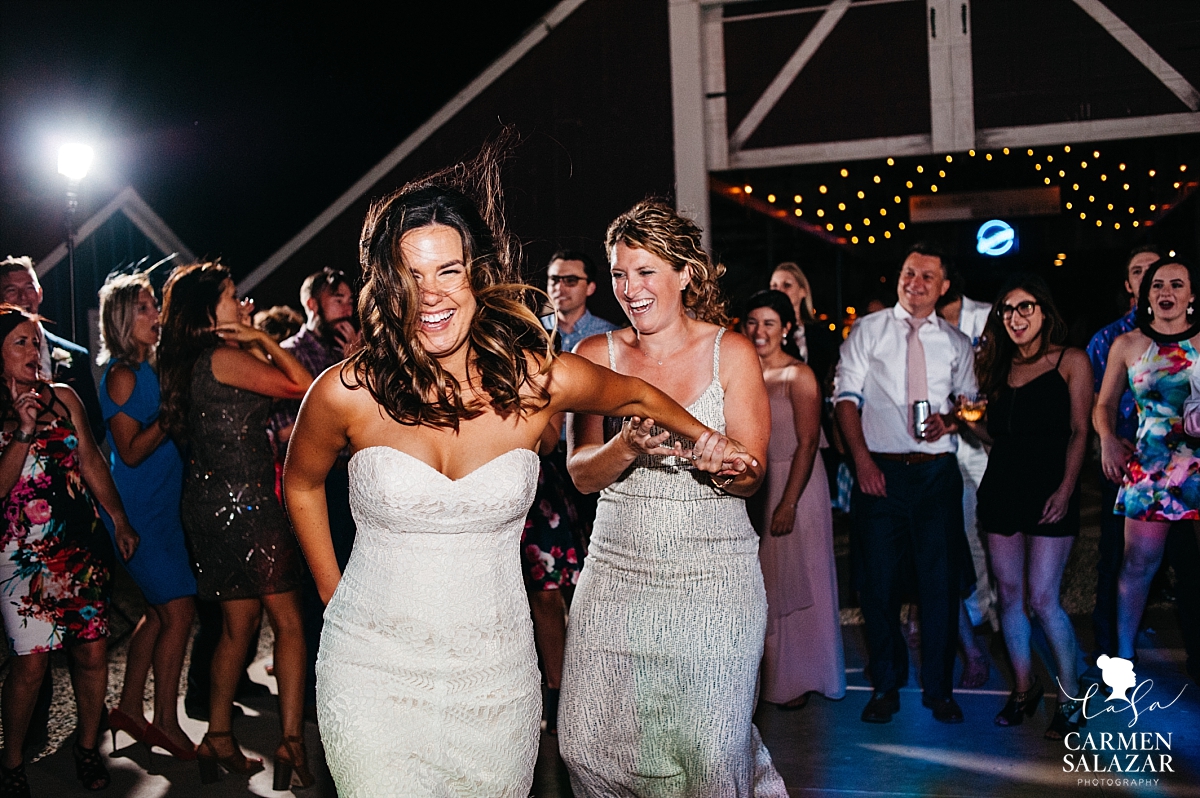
column 1097, row 350
column 587, row 325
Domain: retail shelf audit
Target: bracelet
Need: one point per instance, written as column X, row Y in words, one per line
column 20, row 436
column 721, row 485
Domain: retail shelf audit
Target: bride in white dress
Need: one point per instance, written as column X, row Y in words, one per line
column 427, row 680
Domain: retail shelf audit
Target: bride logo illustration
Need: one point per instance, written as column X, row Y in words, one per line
column 1119, row 675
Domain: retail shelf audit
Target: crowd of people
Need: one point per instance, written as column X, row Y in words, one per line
column 669, row 480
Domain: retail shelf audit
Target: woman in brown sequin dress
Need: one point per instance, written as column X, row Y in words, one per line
column 218, row 379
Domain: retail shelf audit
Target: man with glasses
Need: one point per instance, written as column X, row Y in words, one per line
column 1182, row 551
column 570, row 280
column 899, row 375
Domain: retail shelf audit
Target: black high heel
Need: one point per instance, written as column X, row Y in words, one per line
column 89, row 768
column 1061, row 724
column 1021, row 704
column 13, row 782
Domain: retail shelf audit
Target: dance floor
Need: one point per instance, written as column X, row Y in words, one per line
column 822, row 750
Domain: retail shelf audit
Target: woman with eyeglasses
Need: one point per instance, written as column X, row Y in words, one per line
column 1160, row 480
column 1040, row 395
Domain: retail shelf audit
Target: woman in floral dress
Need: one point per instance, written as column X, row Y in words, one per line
column 55, row 556
column 1160, row 478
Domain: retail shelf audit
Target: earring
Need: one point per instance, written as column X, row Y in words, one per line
column 1149, row 310
column 1191, row 310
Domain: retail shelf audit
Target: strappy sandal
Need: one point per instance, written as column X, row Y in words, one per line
column 1061, row 724
column 89, row 768
column 1021, row 704
column 210, row 761
column 291, row 764
column 13, row 782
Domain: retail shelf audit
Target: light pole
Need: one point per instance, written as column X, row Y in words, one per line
column 73, row 163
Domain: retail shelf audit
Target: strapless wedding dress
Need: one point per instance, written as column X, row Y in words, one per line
column 427, row 678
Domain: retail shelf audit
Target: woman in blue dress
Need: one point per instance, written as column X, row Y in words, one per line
column 148, row 471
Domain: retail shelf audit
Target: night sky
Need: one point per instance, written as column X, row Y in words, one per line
column 237, row 122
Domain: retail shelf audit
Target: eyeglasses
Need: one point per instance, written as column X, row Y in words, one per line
column 569, row 280
column 1022, row 309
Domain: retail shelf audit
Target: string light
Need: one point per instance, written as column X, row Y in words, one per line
column 988, row 156
column 901, row 225
column 829, row 227
column 949, row 159
column 896, row 199
column 1005, row 150
column 1183, row 167
column 1099, row 223
column 1177, row 185
column 941, row 173
column 1126, row 186
column 971, row 153
column 867, row 221
column 799, row 212
column 1131, row 209
column 883, row 211
column 1083, row 164
column 1075, row 187
column 1135, row 224
column 798, row 199
column 1171, row 254
column 820, row 212
column 1121, row 166
column 1110, row 207
column 908, row 183
column 1067, row 148
column 841, row 206
column 1103, row 178
column 1152, row 173
column 1095, row 153
column 1068, row 206
column 870, row 239
column 849, row 227
column 1029, row 152
column 1091, row 198
column 876, row 178
column 770, row 198
column 920, row 169
column 1061, row 173
column 1049, row 159
column 748, row 189
column 891, row 162
column 853, row 239
column 823, row 189
column 1152, row 207
column 861, row 195
column 1047, row 180
column 845, row 173
column 1116, row 225
column 1037, row 166
column 1082, row 215
column 933, row 188
column 887, row 233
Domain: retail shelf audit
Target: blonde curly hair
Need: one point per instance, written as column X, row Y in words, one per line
column 654, row 226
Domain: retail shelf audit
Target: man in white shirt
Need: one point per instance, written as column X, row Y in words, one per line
column 907, row 503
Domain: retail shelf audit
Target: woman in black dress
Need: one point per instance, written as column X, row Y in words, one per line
column 218, row 379
column 1040, row 396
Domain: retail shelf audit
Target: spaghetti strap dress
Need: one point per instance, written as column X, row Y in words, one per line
column 1164, row 473
column 1030, row 426
column 666, row 635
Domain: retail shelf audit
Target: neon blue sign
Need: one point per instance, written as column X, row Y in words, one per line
column 995, row 238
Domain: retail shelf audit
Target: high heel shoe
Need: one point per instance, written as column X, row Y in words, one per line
column 89, row 768
column 1021, row 704
column 13, row 782
column 1061, row 724
column 210, row 761
column 118, row 721
column 156, row 737
column 291, row 764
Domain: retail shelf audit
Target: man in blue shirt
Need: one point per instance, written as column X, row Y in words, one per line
column 570, row 280
column 1181, row 543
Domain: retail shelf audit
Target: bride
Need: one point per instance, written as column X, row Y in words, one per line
column 427, row 680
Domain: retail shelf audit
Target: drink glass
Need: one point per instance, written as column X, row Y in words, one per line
column 971, row 406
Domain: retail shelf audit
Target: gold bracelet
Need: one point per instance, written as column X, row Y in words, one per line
column 720, row 485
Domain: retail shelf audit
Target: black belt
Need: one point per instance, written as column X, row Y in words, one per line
column 911, row 458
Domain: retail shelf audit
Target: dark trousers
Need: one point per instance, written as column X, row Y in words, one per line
column 919, row 521
column 342, row 530
column 1183, row 555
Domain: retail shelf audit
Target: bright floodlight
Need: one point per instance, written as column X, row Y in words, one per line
column 74, row 160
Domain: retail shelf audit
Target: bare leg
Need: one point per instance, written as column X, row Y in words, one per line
column 283, row 610
column 1047, row 560
column 966, row 634
column 1008, row 562
column 550, row 632
column 1144, row 544
column 137, row 666
column 239, row 619
column 90, row 679
column 175, row 618
column 19, row 695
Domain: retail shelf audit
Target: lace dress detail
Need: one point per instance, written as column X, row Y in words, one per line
column 666, row 635
column 427, row 678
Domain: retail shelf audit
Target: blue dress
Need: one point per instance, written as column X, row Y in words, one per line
column 150, row 492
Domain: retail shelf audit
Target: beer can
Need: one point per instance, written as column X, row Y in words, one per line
column 920, row 417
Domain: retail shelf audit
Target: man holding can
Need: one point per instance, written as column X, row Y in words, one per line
column 900, row 373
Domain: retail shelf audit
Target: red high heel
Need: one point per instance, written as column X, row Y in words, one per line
column 119, row 721
column 156, row 737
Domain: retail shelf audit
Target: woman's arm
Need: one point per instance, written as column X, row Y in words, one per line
column 320, row 433
column 281, row 378
column 133, row 442
column 1114, row 452
column 747, row 412
column 805, row 394
column 27, row 406
column 550, row 435
column 1078, row 372
column 95, row 473
column 577, row 383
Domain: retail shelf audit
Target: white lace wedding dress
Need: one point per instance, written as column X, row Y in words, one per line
column 427, row 678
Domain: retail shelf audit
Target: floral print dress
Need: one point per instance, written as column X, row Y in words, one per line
column 55, row 556
column 1164, row 472
column 552, row 543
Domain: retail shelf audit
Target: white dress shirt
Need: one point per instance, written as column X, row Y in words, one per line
column 972, row 318
column 872, row 374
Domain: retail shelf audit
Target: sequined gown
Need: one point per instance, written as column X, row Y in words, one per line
column 241, row 543
column 665, row 636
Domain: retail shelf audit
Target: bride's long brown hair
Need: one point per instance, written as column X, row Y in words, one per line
column 504, row 338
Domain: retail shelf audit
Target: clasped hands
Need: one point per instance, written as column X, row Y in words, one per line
column 712, row 452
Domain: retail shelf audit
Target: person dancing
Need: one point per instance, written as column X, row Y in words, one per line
column 1039, row 395
column 218, row 378
column 427, row 679
column 1160, row 481
column 148, row 472
column 55, row 558
column 666, row 630
column 803, row 649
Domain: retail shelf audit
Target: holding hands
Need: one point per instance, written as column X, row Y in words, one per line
column 713, row 453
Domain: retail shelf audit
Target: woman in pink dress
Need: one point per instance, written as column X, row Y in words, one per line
column 803, row 652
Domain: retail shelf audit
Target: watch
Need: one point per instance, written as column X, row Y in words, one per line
column 20, row 436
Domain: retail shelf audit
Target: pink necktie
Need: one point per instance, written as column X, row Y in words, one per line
column 918, row 386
